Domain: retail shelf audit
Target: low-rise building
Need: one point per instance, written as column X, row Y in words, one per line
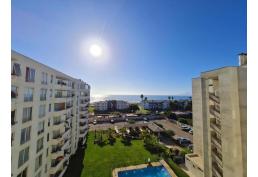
column 49, row 118
column 155, row 104
column 111, row 105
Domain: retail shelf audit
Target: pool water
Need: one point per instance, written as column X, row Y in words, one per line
column 158, row 171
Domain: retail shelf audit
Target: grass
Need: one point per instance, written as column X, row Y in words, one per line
column 100, row 161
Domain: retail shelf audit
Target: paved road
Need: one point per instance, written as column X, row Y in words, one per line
column 166, row 124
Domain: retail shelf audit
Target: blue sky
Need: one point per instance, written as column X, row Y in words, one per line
column 149, row 46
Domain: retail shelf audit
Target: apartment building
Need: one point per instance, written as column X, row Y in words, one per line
column 111, row 105
column 155, row 104
column 49, row 118
column 219, row 122
column 101, row 106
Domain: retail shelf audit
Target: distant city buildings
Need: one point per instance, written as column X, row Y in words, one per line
column 111, row 105
column 219, row 122
column 155, row 104
column 49, row 118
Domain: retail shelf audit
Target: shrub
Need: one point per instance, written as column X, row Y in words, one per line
column 178, row 171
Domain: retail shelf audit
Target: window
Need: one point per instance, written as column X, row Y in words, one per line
column 47, row 152
column 30, row 74
column 13, row 117
column 46, row 168
column 23, row 156
column 23, row 173
column 12, row 138
column 51, row 81
column 27, row 114
column 48, row 122
column 39, row 174
column 25, row 135
column 38, row 162
column 42, row 111
column 28, row 94
column 47, row 137
column 49, row 108
column 40, row 144
column 43, row 94
column 40, row 127
column 50, row 93
column 16, row 70
column 14, row 92
column 44, row 78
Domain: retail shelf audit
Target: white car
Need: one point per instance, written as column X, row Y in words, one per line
column 191, row 131
column 95, row 122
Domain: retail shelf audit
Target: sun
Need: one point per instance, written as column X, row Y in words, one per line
column 95, row 50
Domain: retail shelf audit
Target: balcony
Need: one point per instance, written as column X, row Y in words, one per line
column 216, row 171
column 214, row 98
column 58, row 125
column 57, row 139
column 57, row 165
column 214, row 110
column 217, row 158
column 216, row 142
column 216, row 127
column 43, row 97
column 57, row 152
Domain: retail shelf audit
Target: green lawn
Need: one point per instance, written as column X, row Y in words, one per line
column 100, row 161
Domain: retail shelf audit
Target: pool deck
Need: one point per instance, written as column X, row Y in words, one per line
column 161, row 162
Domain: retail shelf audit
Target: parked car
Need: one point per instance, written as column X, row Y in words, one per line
column 95, row 122
column 187, row 129
column 112, row 121
column 183, row 141
column 145, row 119
column 191, row 131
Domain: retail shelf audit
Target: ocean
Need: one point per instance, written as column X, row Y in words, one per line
column 135, row 98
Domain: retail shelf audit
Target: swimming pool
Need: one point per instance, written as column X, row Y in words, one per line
column 157, row 171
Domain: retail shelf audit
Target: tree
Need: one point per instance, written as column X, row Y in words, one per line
column 134, row 107
column 142, row 96
column 111, row 137
column 169, row 98
column 145, row 99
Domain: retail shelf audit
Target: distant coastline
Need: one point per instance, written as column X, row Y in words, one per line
column 136, row 98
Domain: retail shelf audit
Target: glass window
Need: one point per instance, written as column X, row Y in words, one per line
column 16, row 70
column 38, row 162
column 49, row 108
column 25, row 135
column 40, row 144
column 43, row 94
column 14, row 92
column 42, row 111
column 51, row 81
column 40, row 127
column 50, row 93
column 28, row 94
column 47, row 137
column 23, row 156
column 23, row 173
column 30, row 74
column 44, row 78
column 13, row 121
column 27, row 114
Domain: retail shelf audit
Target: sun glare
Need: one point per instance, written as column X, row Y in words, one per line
column 95, row 50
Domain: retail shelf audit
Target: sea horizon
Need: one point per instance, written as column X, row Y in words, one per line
column 136, row 98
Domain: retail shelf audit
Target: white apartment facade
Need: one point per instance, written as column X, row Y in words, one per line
column 122, row 105
column 220, row 122
column 101, row 105
column 49, row 118
column 155, row 104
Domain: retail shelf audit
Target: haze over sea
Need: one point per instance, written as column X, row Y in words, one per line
column 135, row 98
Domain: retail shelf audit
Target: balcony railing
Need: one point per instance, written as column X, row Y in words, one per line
column 217, row 157
column 57, row 122
column 28, row 98
column 213, row 97
column 57, row 136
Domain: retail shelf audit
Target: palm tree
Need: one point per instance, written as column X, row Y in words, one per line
column 142, row 96
column 145, row 99
column 169, row 98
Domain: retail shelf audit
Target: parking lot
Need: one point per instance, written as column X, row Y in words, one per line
column 168, row 125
